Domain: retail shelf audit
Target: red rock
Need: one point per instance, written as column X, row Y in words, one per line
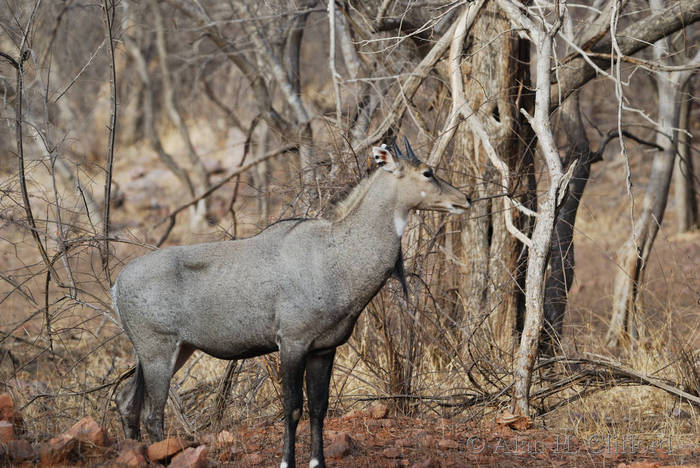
column 132, row 454
column 341, row 446
column 253, row 459
column 166, row 448
column 19, row 450
column 391, row 452
column 88, row 431
column 426, row 463
column 9, row 413
column 7, row 431
column 57, row 450
column 233, row 452
column 520, row 423
column 132, row 444
column 207, row 439
column 378, row 410
column 448, row 444
column 131, row 458
column 7, row 406
column 191, row 458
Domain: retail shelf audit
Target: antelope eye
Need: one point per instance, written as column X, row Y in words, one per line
column 428, row 173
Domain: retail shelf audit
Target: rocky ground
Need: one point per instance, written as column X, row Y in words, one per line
column 361, row 438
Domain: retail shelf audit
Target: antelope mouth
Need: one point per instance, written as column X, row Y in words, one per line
column 455, row 208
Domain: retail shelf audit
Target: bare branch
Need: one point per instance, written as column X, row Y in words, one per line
column 408, row 88
column 331, row 63
column 222, row 182
column 635, row 37
column 251, row 73
column 464, row 22
column 108, row 11
column 19, row 64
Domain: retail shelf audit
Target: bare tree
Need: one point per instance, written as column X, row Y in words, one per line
column 684, row 175
column 633, row 255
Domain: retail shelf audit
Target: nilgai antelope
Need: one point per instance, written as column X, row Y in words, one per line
column 297, row 288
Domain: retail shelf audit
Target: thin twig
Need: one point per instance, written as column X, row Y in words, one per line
column 246, row 149
column 612, row 134
column 222, row 182
column 18, row 64
column 108, row 24
column 648, row 64
column 331, row 63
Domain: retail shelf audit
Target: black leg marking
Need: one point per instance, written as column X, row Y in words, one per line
column 318, row 375
column 292, row 362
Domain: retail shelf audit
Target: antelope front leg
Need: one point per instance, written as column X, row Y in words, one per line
column 318, row 375
column 292, row 362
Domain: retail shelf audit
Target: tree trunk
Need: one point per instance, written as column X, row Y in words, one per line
column 633, row 255
column 684, row 174
column 496, row 78
column 561, row 255
column 542, row 233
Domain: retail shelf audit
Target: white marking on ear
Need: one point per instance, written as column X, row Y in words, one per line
column 386, row 160
column 422, row 194
column 400, row 220
column 314, row 463
column 283, row 464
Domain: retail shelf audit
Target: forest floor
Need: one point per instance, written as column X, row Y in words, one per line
column 360, row 438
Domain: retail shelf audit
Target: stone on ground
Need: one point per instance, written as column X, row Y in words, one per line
column 7, row 431
column 341, row 446
column 88, row 431
column 166, row 448
column 191, row 458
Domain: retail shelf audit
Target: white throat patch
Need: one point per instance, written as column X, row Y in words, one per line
column 400, row 221
column 313, row 463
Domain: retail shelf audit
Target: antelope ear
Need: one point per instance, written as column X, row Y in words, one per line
column 386, row 160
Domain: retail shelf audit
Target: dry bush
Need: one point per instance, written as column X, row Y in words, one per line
column 426, row 353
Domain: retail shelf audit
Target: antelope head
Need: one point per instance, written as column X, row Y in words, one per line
column 417, row 185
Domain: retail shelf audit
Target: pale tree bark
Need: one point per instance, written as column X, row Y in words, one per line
column 541, row 35
column 561, row 256
column 685, row 192
column 633, row 255
column 495, row 71
column 562, row 261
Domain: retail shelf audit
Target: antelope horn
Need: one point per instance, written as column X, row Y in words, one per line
column 396, row 149
column 409, row 150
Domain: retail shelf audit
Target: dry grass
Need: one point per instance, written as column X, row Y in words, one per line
column 413, row 354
